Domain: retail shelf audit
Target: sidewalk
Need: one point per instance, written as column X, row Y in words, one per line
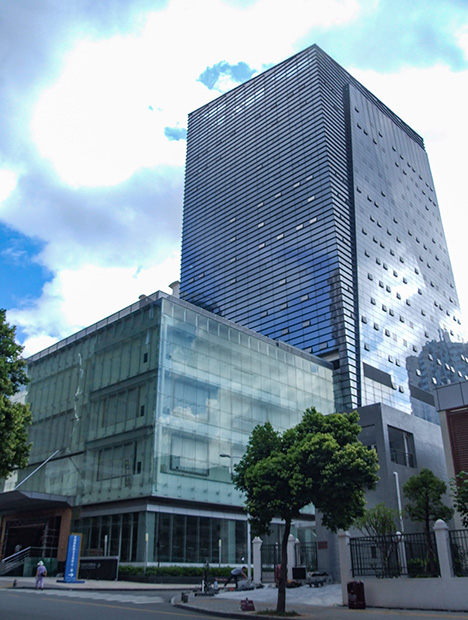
column 51, row 583
column 310, row 603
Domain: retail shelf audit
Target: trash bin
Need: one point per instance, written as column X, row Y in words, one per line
column 356, row 597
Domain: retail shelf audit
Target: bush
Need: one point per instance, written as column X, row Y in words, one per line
column 174, row 571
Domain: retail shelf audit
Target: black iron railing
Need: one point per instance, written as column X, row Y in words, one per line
column 393, row 555
column 402, row 458
column 459, row 547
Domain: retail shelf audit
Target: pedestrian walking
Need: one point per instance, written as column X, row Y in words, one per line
column 41, row 572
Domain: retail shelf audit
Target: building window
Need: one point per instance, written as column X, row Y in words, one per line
column 189, row 455
column 401, row 445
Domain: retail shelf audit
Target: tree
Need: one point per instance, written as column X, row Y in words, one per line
column 424, row 492
column 15, row 417
column 319, row 461
column 459, row 492
column 379, row 523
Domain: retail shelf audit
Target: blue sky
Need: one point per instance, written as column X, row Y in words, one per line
column 95, row 97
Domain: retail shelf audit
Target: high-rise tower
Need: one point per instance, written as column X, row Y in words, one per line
column 310, row 216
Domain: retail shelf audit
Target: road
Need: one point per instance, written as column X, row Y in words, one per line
column 73, row 605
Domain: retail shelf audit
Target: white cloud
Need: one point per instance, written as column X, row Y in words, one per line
column 95, row 123
column 8, row 182
column 75, row 299
column 462, row 39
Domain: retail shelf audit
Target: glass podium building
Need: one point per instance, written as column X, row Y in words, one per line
column 310, row 216
column 146, row 413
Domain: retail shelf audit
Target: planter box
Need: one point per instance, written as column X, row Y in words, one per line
column 188, row 580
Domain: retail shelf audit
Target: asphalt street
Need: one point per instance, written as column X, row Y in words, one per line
column 18, row 604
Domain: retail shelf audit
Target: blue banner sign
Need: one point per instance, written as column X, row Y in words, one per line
column 73, row 558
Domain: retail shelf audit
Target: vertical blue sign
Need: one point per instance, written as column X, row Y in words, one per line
column 73, row 558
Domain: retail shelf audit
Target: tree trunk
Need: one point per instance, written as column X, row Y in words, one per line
column 281, row 603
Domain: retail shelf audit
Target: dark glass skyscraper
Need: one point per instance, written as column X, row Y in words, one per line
column 310, row 216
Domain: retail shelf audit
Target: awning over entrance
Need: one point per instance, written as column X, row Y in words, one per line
column 12, row 501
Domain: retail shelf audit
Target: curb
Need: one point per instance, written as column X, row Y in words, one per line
column 241, row 615
column 221, row 614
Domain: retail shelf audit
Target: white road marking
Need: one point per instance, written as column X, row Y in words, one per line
column 103, row 596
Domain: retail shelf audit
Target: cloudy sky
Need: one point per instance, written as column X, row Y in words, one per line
column 94, row 98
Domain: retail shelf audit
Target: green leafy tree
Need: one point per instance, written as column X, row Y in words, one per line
column 379, row 523
column 319, row 461
column 424, row 492
column 459, row 492
column 15, row 417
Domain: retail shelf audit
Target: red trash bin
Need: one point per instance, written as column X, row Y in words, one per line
column 356, row 596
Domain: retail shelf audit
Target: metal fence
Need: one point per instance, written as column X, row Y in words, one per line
column 271, row 557
column 459, row 548
column 306, row 555
column 394, row 555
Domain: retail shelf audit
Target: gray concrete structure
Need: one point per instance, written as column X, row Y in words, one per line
column 405, row 444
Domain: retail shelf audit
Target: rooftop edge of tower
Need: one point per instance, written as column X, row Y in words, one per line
column 351, row 80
